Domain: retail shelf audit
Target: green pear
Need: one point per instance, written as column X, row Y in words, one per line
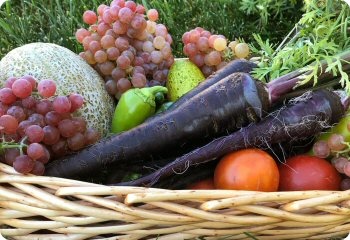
column 183, row 76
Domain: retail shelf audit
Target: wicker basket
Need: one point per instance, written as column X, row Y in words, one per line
column 33, row 207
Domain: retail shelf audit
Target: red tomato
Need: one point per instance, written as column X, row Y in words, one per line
column 247, row 169
column 202, row 184
column 305, row 172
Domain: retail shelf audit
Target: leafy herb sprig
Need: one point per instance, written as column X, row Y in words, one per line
column 320, row 36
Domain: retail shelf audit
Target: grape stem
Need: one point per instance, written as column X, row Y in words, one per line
column 12, row 144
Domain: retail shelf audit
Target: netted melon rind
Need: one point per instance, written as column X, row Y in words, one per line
column 71, row 73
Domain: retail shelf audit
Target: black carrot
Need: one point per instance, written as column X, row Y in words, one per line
column 299, row 119
column 223, row 107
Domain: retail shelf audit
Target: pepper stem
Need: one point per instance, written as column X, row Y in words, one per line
column 148, row 94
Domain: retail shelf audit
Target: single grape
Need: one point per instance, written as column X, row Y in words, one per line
column 23, row 164
column 8, row 83
column 107, row 41
column 122, row 43
column 206, row 34
column 131, row 5
column 118, row 73
column 35, row 151
column 94, row 46
column 156, row 57
column 107, row 16
column 89, row 57
column 43, row 106
column 61, row 104
column 203, row 44
column 123, row 62
column 194, row 36
column 51, row 135
column 10, row 155
column 123, row 85
column 102, row 28
column 152, row 14
column 67, row 128
column 336, row 142
column 52, row 118
column 207, row 70
column 190, row 49
column 213, row 58
column 91, row 136
column 321, row 149
column 38, row 168
column 198, row 59
column 76, row 100
column 60, row 148
column 32, row 80
column 139, row 23
column 100, row 56
column 339, row 163
column 119, row 27
column 140, row 9
column 111, row 87
column 34, row 133
column 345, row 184
column 161, row 30
column 139, row 80
column 76, row 142
column 186, row 38
column 106, row 68
column 17, row 112
column 7, row 96
column 242, row 50
column 159, row 42
column 80, row 124
column 125, row 15
column 45, row 158
column 29, row 102
column 89, row 17
column 8, row 124
column 148, row 46
column 37, row 119
column 114, row 11
column 151, row 27
column 220, row 44
column 112, row 53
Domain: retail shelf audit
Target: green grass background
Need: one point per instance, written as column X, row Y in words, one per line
column 24, row 21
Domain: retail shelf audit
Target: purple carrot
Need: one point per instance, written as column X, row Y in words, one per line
column 301, row 118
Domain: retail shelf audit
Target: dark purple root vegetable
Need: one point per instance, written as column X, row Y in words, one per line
column 223, row 107
column 301, row 118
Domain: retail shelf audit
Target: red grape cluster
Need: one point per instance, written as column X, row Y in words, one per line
column 37, row 126
column 336, row 149
column 125, row 48
column 211, row 52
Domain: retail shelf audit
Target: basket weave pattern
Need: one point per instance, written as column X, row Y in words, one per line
column 34, row 207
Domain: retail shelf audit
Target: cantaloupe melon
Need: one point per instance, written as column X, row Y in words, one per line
column 71, row 73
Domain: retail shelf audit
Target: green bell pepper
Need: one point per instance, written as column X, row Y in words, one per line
column 134, row 107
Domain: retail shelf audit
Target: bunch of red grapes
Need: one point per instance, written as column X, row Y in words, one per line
column 337, row 149
column 36, row 126
column 211, row 52
column 125, row 48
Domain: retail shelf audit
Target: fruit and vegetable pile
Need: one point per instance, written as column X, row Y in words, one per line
column 233, row 115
